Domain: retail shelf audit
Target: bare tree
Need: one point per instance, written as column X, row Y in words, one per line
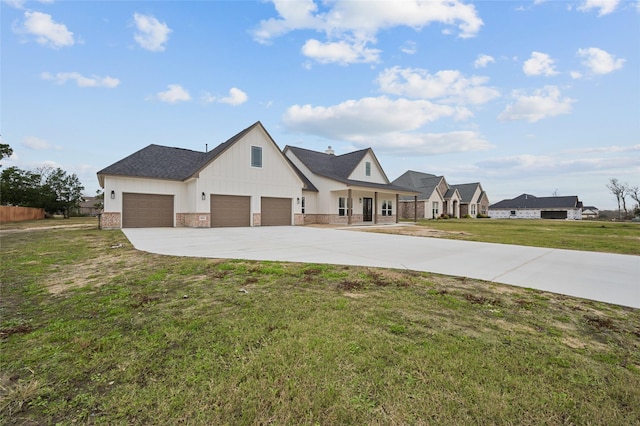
column 619, row 189
column 634, row 193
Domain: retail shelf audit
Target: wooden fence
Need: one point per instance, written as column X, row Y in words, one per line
column 18, row 214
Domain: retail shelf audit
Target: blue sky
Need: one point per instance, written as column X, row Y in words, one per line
column 525, row 97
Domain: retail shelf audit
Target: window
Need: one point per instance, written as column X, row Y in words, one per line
column 367, row 168
column 435, row 206
column 256, row 156
column 387, row 208
column 473, row 209
column 513, row 212
column 342, row 206
column 302, row 205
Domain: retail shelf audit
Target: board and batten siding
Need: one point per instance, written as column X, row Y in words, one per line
column 359, row 173
column 232, row 174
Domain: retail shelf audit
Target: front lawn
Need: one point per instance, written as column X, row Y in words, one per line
column 93, row 331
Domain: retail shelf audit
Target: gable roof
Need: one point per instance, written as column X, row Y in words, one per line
column 340, row 167
column 466, row 191
column 163, row 162
column 528, row 201
column 424, row 183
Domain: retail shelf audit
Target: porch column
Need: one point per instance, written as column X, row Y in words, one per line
column 415, row 208
column 375, row 207
column 397, row 207
column 349, row 206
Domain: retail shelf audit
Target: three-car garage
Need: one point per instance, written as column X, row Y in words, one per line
column 157, row 210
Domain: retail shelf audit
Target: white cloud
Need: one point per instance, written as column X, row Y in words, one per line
column 341, row 52
column 599, row 61
column 388, row 125
column 367, row 116
column 604, row 7
column 152, row 34
column 533, row 165
column 449, row 86
column 483, row 60
column 544, row 103
column 47, row 32
column 350, row 26
column 175, row 93
column 236, row 97
column 38, row 144
column 82, row 81
column 409, row 48
column 415, row 144
column 539, row 64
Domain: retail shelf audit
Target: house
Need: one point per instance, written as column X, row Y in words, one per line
column 88, row 206
column 346, row 189
column 527, row 206
column 438, row 198
column 590, row 212
column 473, row 199
column 245, row 181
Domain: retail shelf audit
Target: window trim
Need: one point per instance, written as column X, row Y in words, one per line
column 342, row 206
column 256, row 150
column 367, row 168
column 387, row 208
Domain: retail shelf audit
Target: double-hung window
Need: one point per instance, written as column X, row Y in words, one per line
column 256, row 156
column 342, row 206
column 473, row 209
column 387, row 208
column 367, row 168
column 302, row 205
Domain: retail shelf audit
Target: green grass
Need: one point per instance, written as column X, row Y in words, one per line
column 611, row 237
column 93, row 331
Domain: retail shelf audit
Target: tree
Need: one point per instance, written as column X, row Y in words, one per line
column 634, row 193
column 619, row 189
column 5, row 151
column 67, row 191
column 99, row 204
column 21, row 188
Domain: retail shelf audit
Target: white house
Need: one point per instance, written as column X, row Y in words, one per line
column 245, row 181
column 527, row 206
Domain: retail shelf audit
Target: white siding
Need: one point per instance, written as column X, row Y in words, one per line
column 232, row 174
column 142, row 186
column 359, row 173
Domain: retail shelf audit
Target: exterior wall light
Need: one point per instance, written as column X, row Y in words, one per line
column 204, row 197
column 113, row 194
column 360, row 199
column 298, row 200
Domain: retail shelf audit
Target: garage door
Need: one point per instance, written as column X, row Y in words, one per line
column 553, row 214
column 275, row 211
column 230, row 210
column 146, row 210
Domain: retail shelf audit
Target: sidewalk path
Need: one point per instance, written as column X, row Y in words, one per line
column 611, row 278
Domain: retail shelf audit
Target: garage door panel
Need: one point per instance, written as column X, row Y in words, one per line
column 230, row 210
column 275, row 211
column 147, row 210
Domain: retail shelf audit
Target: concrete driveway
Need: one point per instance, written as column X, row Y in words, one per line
column 610, row 278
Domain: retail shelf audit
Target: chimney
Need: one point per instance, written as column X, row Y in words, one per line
column 206, row 147
column 329, row 151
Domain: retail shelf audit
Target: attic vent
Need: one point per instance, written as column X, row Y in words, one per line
column 329, row 151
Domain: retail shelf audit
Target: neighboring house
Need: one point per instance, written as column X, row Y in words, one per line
column 438, row 198
column 246, row 181
column 88, row 208
column 527, row 206
column 473, row 199
column 346, row 189
column 590, row 212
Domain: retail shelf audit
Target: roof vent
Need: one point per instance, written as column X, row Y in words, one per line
column 329, row 151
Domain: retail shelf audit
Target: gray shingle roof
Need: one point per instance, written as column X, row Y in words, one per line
column 466, row 191
column 424, row 183
column 527, row 201
column 339, row 167
column 163, row 162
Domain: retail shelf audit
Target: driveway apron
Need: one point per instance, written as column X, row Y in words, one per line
column 610, row 278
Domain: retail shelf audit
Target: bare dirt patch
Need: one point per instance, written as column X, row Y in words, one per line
column 411, row 230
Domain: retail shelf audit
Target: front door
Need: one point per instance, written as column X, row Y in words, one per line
column 367, row 209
